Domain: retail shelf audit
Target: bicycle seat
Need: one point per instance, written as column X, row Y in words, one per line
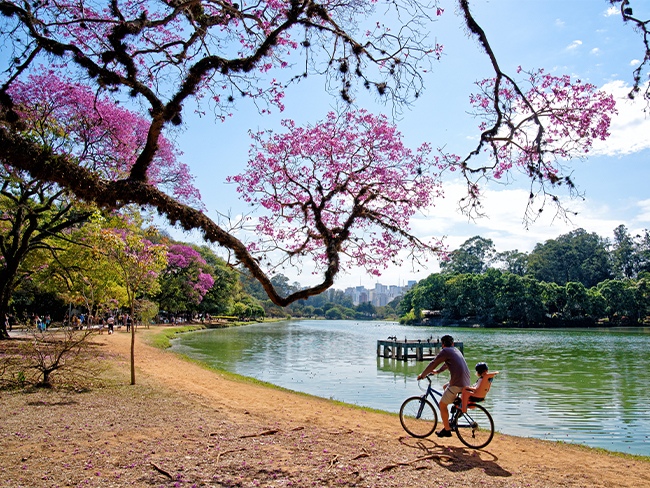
column 474, row 395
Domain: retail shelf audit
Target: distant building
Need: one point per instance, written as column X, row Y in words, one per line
column 358, row 294
column 411, row 284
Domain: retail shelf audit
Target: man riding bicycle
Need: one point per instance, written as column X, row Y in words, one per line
column 455, row 362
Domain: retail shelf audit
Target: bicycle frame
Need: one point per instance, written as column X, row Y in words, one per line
column 456, row 412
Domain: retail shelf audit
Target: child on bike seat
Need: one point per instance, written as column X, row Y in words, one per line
column 481, row 369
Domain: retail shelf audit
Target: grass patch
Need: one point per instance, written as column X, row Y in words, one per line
column 161, row 338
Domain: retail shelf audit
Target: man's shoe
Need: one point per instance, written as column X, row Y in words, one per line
column 444, row 433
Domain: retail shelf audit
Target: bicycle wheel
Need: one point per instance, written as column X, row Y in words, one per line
column 475, row 428
column 418, row 417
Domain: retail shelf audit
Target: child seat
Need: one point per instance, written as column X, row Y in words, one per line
column 471, row 395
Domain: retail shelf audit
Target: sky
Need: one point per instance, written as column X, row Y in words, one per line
column 581, row 38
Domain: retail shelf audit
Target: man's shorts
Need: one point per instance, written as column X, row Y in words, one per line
column 450, row 394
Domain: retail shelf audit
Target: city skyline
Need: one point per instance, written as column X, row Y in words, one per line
column 380, row 296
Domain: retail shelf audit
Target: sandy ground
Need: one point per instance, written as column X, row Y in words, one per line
column 184, row 425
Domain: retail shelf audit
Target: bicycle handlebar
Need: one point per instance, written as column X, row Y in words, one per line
column 427, row 377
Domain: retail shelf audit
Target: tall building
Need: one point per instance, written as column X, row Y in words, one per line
column 380, row 295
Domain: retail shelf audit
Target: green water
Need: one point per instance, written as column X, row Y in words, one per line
column 580, row 386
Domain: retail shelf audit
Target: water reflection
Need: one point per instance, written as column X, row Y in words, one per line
column 583, row 386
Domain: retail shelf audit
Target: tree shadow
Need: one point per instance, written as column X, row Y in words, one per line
column 41, row 403
column 456, row 459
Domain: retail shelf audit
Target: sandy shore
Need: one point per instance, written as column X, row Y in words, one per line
column 185, row 425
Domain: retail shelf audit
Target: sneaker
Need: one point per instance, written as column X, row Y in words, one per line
column 444, row 433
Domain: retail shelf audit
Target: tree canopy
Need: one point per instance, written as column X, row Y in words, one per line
column 167, row 55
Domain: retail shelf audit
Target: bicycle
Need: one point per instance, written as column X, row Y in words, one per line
column 472, row 422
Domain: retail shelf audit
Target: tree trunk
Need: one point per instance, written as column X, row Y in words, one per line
column 6, row 282
column 132, row 345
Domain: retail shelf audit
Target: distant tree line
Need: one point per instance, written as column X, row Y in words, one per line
column 577, row 279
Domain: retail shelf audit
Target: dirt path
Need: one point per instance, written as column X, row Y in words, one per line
column 265, row 437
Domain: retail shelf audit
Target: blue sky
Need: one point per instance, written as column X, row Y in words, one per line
column 580, row 38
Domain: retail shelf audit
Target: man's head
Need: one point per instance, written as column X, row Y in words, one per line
column 447, row 341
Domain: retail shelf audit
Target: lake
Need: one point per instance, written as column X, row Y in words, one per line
column 580, row 386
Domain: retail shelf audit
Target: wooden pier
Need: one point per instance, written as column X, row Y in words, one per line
column 420, row 350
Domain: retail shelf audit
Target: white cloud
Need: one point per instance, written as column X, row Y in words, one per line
column 595, row 51
column 504, row 208
column 611, row 11
column 644, row 215
column 559, row 23
column 630, row 128
column 574, row 45
column 635, row 62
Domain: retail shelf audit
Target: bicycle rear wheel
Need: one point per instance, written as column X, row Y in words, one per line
column 475, row 428
column 418, row 417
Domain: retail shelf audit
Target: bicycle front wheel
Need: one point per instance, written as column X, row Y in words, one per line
column 418, row 417
column 475, row 428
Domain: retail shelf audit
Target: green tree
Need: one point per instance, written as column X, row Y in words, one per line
column 33, row 217
column 257, row 311
column 428, row 294
column 619, row 299
column 186, row 279
column 578, row 303
column 334, row 313
column 226, row 285
column 474, row 256
column 489, row 285
column 366, row 309
column 463, row 295
column 597, row 304
column 240, row 310
column 642, row 254
column 641, row 291
column 624, row 259
column 519, row 301
column 577, row 256
column 514, row 262
column 553, row 297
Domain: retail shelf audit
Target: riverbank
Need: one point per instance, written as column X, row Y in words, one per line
column 186, row 425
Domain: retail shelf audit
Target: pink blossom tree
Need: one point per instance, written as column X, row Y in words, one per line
column 341, row 191
column 535, row 132
column 103, row 137
column 67, row 118
column 138, row 262
column 185, row 280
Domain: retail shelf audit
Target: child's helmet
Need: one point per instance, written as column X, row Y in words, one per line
column 481, row 368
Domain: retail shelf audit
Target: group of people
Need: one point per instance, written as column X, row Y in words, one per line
column 77, row 322
column 121, row 320
column 40, row 323
column 450, row 358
